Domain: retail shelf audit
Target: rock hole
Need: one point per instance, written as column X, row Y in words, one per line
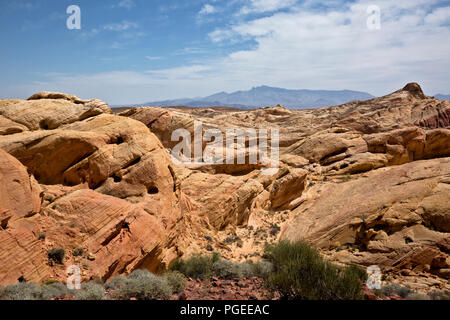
column 117, row 179
column 4, row 223
column 119, row 140
column 152, row 190
column 43, row 124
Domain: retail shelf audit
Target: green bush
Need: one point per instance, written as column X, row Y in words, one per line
column 205, row 267
column 116, row 283
column 262, row 268
column 90, row 291
column 395, row 288
column 299, row 272
column 143, row 285
column 54, row 290
column 417, row 296
column 78, row 252
column 196, row 267
column 57, row 255
column 176, row 280
column 226, row 270
column 439, row 295
column 21, row 291
column 246, row 270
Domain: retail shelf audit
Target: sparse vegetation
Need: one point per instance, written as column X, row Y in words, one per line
column 440, row 295
column 21, row 291
column 397, row 289
column 226, row 270
column 205, row 267
column 274, row 230
column 176, row 280
column 197, row 267
column 78, row 252
column 57, row 255
column 417, row 296
column 41, row 236
column 299, row 272
column 90, row 291
column 143, row 285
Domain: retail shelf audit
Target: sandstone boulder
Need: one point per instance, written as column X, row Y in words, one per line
column 48, row 111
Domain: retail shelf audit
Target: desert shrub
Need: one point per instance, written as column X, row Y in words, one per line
column 246, row 270
column 417, row 296
column 143, row 285
column 41, row 236
column 226, row 269
column 116, row 283
column 274, row 229
column 395, row 288
column 197, row 267
column 90, row 291
column 57, row 255
column 21, row 291
column 78, row 252
column 54, row 290
column 439, row 295
column 176, row 280
column 299, row 272
column 262, row 268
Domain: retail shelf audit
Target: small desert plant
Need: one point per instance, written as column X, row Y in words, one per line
column 197, row 267
column 143, row 285
column 274, row 230
column 78, row 252
column 54, row 290
column 262, row 268
column 41, row 236
column 417, row 296
column 299, row 272
column 439, row 295
column 116, row 283
column 176, row 280
column 226, row 269
column 395, row 288
column 246, row 270
column 90, row 291
column 57, row 255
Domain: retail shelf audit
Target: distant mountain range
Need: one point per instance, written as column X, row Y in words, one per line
column 268, row 96
column 442, row 96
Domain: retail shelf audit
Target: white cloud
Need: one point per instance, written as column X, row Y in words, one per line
column 261, row 6
column 127, row 4
column 121, row 26
column 439, row 16
column 208, row 9
column 151, row 58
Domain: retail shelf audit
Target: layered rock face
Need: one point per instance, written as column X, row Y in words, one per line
column 79, row 178
column 366, row 182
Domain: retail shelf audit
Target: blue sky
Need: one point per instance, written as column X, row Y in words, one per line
column 132, row 51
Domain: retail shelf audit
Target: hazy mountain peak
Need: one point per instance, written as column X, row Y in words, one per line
column 263, row 96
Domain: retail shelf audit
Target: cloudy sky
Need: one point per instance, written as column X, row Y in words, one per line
column 133, row 51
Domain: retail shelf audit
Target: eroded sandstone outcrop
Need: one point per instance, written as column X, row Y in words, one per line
column 367, row 182
column 123, row 225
